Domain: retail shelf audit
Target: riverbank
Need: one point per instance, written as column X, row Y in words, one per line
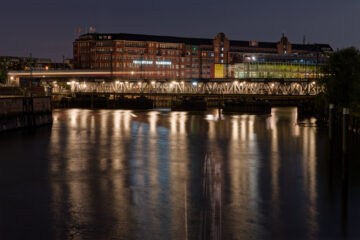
column 24, row 112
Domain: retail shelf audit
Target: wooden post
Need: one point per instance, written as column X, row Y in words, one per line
column 345, row 129
column 331, row 120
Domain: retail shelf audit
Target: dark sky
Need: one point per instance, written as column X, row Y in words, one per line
column 46, row 27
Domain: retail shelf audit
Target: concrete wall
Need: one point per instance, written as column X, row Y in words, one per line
column 20, row 112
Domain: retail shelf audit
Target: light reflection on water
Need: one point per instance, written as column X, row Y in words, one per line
column 126, row 174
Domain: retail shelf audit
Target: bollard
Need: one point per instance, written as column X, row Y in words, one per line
column 331, row 120
column 345, row 129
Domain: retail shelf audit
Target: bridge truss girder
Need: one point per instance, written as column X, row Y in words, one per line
column 186, row 87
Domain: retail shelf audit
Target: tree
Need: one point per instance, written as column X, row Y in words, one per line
column 342, row 77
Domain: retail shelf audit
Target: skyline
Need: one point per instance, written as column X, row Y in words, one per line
column 47, row 28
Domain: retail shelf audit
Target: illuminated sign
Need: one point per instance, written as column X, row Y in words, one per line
column 163, row 62
column 219, row 70
column 142, row 62
column 151, row 62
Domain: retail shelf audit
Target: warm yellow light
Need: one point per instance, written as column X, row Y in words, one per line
column 46, row 68
column 153, row 82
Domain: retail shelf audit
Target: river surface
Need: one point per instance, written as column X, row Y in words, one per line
column 121, row 174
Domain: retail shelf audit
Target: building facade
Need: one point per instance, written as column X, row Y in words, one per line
column 163, row 57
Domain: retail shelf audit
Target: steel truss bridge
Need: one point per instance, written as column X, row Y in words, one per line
column 191, row 87
column 62, row 82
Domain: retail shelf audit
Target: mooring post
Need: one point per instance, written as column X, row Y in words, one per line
column 345, row 129
column 331, row 120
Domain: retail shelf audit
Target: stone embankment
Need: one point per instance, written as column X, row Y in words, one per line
column 24, row 112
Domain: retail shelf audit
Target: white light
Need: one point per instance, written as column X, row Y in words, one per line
column 272, row 85
column 163, row 62
column 254, row 58
column 126, row 82
column 152, row 82
column 142, row 62
column 173, row 82
column 72, row 82
column 68, row 83
column 171, row 85
column 194, row 83
column 11, row 78
column 85, row 85
column 241, row 84
column 236, row 82
column 117, row 82
column 139, row 83
column 182, row 82
column 313, row 82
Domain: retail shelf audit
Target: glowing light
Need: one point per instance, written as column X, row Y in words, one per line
column 236, row 82
column 171, row 85
column 72, row 82
column 163, row 62
column 11, row 78
column 272, row 85
column 194, row 83
column 253, row 58
column 313, row 82
column 132, row 73
column 46, row 68
column 139, row 83
column 173, row 82
column 153, row 82
column 182, row 82
column 142, row 62
column 117, row 82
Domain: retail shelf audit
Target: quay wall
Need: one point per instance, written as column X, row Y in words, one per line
column 24, row 112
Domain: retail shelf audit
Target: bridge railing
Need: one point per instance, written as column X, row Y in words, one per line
column 186, row 87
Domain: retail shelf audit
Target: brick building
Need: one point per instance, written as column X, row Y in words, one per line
column 163, row 57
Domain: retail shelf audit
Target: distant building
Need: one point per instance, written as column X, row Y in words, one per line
column 163, row 57
column 26, row 63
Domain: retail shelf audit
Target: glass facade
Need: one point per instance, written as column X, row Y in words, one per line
column 273, row 70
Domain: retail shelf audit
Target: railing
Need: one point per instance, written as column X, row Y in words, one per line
column 191, row 87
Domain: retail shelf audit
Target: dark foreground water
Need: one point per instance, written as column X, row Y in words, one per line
column 176, row 175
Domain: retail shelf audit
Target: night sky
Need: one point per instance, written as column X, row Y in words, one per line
column 47, row 27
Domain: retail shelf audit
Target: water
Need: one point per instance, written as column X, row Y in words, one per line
column 176, row 175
